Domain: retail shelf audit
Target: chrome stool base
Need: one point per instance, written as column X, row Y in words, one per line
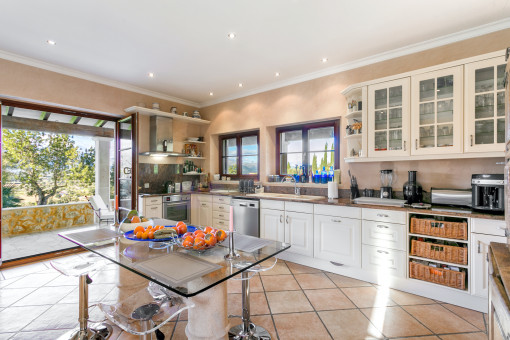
column 254, row 333
column 101, row 331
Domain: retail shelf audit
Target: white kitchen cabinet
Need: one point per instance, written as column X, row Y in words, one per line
column 220, row 212
column 205, row 214
column 436, row 112
column 337, row 239
column 356, row 139
column 272, row 225
column 299, row 232
column 388, row 118
column 484, row 102
column 384, row 261
column 151, row 206
column 201, row 210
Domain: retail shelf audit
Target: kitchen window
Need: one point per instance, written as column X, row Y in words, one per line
column 307, row 147
column 239, row 155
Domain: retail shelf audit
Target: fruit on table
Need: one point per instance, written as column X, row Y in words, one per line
column 131, row 214
column 199, row 233
column 135, row 219
column 189, row 233
column 210, row 240
column 139, row 234
column 151, row 234
column 207, row 230
column 137, row 229
column 188, row 241
column 221, row 235
column 199, row 243
column 145, row 235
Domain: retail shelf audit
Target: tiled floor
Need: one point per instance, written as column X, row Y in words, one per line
column 291, row 301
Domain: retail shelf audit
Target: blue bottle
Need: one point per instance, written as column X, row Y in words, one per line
column 317, row 177
column 324, row 176
column 331, row 174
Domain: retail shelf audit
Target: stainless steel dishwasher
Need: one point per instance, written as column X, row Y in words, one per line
column 246, row 216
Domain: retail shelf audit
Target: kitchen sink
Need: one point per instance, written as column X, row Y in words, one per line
column 286, row 196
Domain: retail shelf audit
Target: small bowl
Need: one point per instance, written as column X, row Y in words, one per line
column 192, row 139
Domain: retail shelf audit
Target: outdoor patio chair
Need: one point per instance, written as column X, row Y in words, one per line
column 100, row 209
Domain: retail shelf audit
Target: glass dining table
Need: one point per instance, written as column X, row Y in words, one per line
column 198, row 275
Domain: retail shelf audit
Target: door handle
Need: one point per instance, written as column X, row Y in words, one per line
column 479, row 247
column 471, row 136
column 404, row 145
column 416, row 144
column 380, row 226
column 204, row 205
column 382, row 215
column 287, row 219
column 382, row 252
column 281, row 218
column 336, row 263
column 333, row 220
column 243, row 205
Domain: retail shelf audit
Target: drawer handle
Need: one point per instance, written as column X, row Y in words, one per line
column 333, row 220
column 382, row 252
column 287, row 219
column 405, row 146
column 382, row 226
column 382, row 215
column 416, row 144
column 204, row 205
column 221, row 207
column 152, row 208
column 281, row 218
column 336, row 263
column 221, row 215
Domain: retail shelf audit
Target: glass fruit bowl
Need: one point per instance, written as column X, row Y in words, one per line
column 202, row 239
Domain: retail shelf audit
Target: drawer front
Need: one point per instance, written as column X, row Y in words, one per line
column 272, row 204
column 489, row 227
column 384, row 260
column 391, row 216
column 204, row 198
column 222, row 199
column 154, row 211
column 306, row 208
column 220, row 224
column 221, row 215
column 153, row 200
column 381, row 234
column 221, row 207
column 335, row 210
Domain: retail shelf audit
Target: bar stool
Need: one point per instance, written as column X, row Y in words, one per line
column 81, row 269
column 146, row 311
column 247, row 330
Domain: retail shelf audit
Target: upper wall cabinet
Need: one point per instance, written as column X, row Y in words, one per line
column 388, row 118
column 484, row 102
column 436, row 106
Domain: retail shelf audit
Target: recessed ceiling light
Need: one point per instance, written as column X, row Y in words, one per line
column 277, row 74
column 240, row 85
column 231, row 35
column 324, row 60
column 151, row 75
column 51, row 42
column 210, row 93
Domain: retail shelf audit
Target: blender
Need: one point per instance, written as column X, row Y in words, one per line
column 386, row 182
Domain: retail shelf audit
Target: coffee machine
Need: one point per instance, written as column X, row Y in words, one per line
column 488, row 192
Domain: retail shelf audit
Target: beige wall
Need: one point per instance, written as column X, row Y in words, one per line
column 321, row 99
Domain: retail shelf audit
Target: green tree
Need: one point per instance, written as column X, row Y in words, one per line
column 314, row 164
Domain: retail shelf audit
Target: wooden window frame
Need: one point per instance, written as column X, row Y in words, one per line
column 238, row 137
column 304, row 130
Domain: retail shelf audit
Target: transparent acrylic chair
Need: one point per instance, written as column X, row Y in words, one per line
column 247, row 330
column 82, row 269
column 146, row 311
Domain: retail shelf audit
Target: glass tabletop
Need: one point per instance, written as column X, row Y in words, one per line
column 183, row 271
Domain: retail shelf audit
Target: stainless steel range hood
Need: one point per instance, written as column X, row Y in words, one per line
column 161, row 138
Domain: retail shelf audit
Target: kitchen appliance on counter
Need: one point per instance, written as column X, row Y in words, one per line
column 246, row 216
column 413, row 191
column 177, row 208
column 177, row 187
column 247, row 186
column 488, row 192
column 386, row 182
column 451, row 197
column 186, row 186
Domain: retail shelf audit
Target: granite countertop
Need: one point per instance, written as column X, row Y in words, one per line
column 501, row 258
column 436, row 210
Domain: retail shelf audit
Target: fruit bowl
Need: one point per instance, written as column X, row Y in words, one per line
column 134, row 220
column 201, row 239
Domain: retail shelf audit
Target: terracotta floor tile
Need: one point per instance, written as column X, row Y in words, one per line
column 275, row 283
column 465, row 336
column 40, row 335
column 403, row 298
column 258, row 304
column 428, row 337
column 279, row 268
column 61, row 316
column 234, row 286
column 266, row 322
column 11, row 321
column 344, row 281
column 439, row 319
column 180, row 331
column 328, row 299
column 288, row 302
column 10, row 296
column 394, row 321
column 349, row 324
column 314, row 281
column 300, row 326
column 368, row 297
column 300, row 269
column 44, row 296
column 473, row 317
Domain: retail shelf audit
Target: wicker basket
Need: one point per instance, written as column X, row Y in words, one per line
column 439, row 252
column 440, row 276
column 456, row 230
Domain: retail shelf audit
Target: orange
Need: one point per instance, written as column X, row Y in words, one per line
column 188, row 242
column 210, row 240
column 180, row 223
column 139, row 228
column 182, row 229
column 207, row 230
column 221, row 235
column 139, row 234
column 199, row 243
column 135, row 219
column 199, row 233
column 151, row 234
column 145, row 235
column 149, row 228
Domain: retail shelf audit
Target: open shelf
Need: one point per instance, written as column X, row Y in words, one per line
column 190, row 142
column 152, row 112
column 356, row 135
column 190, row 157
column 354, row 114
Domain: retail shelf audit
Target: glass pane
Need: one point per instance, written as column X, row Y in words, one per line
column 445, row 135
column 396, row 118
column 318, row 160
column 395, row 139
column 249, row 145
column 427, row 90
column 381, row 141
column 501, row 130
column 445, row 111
column 484, row 131
column 445, row 87
column 230, row 165
column 381, row 120
column 427, row 137
column 484, row 105
column 321, row 139
column 395, row 96
column 501, row 76
column 291, row 141
column 484, row 79
column 501, row 104
column 427, row 114
column 230, row 147
column 290, row 163
column 249, row 165
column 381, row 99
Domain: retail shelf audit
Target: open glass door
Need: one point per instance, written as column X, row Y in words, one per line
column 127, row 160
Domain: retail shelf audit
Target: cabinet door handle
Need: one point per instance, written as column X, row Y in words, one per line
column 405, row 146
column 382, row 252
column 334, row 220
column 221, row 215
column 287, row 219
column 336, row 263
column 204, row 205
column 479, row 247
column 382, row 215
column 416, row 144
column 380, row 226
column 471, row 136
column 281, row 218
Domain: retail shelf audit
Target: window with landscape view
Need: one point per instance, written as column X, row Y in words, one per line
column 309, row 147
column 239, row 155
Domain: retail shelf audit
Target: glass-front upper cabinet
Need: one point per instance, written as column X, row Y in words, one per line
column 485, row 105
column 436, row 106
column 388, row 118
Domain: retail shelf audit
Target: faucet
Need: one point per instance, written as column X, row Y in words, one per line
column 297, row 191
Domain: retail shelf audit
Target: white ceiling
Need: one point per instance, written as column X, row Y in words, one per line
column 185, row 44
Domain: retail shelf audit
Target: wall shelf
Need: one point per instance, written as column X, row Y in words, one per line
column 152, row 112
